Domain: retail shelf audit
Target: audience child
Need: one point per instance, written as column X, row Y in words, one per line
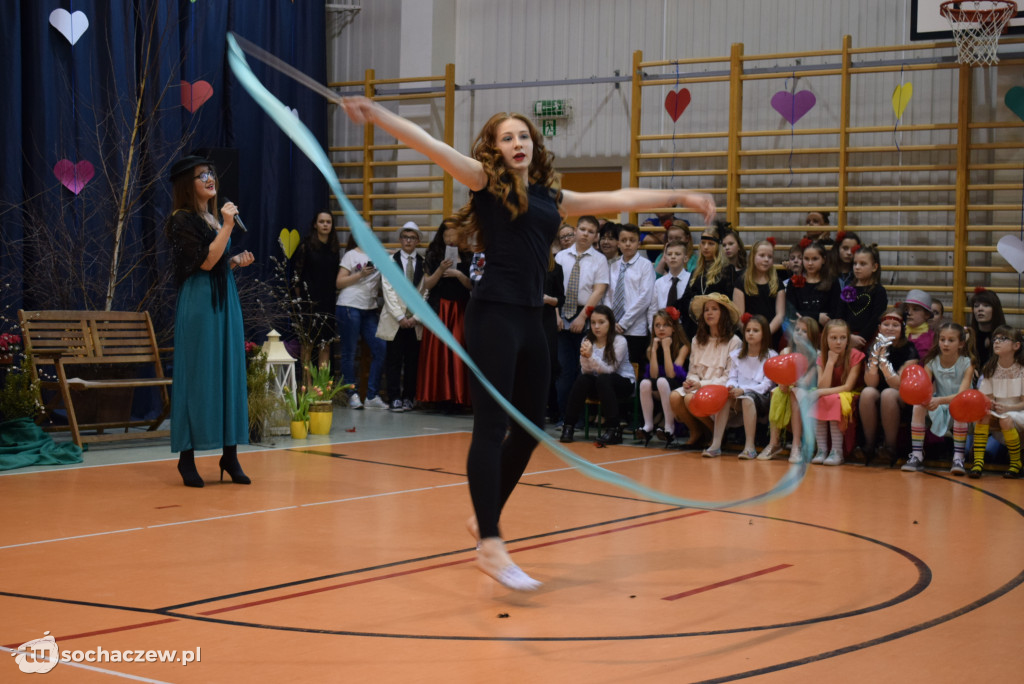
column 399, row 328
column 758, row 292
column 950, row 365
column 917, row 312
column 841, row 257
column 808, row 293
column 608, row 241
column 839, row 366
column 880, row 398
column 630, row 291
column 1002, row 381
column 713, row 274
column 356, row 311
column 606, row 374
column 668, row 291
column 735, row 252
column 585, row 273
column 784, row 408
column 665, row 372
column 986, row 316
column 862, row 302
column 748, row 386
column 709, row 358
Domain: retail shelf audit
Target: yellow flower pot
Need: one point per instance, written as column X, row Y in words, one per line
column 321, row 413
column 298, row 429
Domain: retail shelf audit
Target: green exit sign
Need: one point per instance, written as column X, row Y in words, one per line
column 543, row 108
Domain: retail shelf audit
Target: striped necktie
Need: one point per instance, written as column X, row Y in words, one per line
column 619, row 298
column 572, row 292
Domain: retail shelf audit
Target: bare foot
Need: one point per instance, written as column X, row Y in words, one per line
column 492, row 558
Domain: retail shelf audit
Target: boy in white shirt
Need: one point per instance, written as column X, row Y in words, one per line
column 630, row 292
column 585, row 273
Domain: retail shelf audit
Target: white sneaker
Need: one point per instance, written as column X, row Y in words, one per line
column 396, row 406
column 408, row 405
column 834, row 458
column 375, row 403
column 354, row 402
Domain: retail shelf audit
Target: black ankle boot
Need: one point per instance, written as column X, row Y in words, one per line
column 187, row 468
column 229, row 463
column 567, row 431
column 611, row 436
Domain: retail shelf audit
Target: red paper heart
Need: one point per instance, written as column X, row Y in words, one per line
column 677, row 102
column 73, row 176
column 195, row 95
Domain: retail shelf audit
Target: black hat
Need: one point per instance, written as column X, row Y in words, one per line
column 187, row 164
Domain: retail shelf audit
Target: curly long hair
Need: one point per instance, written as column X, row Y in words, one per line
column 503, row 184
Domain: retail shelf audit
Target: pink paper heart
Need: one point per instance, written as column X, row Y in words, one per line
column 677, row 102
column 73, row 176
column 793, row 107
column 194, row 95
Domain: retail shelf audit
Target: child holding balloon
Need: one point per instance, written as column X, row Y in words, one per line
column 950, row 364
column 784, row 407
column 890, row 354
column 709, row 359
column 748, row 386
column 1002, row 382
column 839, row 366
column 666, row 356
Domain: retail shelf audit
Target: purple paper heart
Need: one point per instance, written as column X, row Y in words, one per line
column 73, row 176
column 793, row 107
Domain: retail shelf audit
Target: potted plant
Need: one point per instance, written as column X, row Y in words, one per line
column 298, row 411
column 323, row 390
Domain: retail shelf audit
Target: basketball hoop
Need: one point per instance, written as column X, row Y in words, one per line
column 977, row 29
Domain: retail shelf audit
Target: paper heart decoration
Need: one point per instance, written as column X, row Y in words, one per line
column 1012, row 249
column 195, row 95
column 1015, row 100
column 901, row 97
column 793, row 107
column 289, row 240
column 71, row 26
column 73, row 176
column 677, row 102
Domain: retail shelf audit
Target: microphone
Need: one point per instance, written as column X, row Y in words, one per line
column 238, row 219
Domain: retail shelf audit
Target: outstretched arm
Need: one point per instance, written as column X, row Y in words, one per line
column 636, row 199
column 465, row 170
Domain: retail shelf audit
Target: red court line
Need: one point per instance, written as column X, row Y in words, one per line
column 111, row 630
column 726, row 582
column 425, row 568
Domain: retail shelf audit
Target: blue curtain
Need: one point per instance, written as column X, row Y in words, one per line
column 78, row 103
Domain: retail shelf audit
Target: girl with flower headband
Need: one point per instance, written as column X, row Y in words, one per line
column 861, row 303
column 986, row 316
column 841, row 256
column 880, row 398
column 713, row 274
column 809, row 293
column 758, row 292
column 665, row 371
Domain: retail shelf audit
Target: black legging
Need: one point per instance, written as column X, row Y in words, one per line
column 508, row 344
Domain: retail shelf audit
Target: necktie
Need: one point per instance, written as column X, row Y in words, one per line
column 673, row 296
column 410, row 276
column 619, row 298
column 572, row 292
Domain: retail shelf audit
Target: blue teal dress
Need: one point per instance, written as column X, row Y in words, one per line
column 209, row 401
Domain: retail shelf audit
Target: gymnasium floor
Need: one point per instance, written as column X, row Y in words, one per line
column 348, row 560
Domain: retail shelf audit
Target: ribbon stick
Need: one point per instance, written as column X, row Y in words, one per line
column 364, row 237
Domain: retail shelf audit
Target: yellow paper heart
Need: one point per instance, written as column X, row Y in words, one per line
column 289, row 240
column 900, row 97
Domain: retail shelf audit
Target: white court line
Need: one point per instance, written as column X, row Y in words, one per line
column 112, row 673
column 305, row 505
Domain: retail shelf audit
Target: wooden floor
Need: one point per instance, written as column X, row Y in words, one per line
column 352, row 563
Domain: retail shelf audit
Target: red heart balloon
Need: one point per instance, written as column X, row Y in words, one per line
column 969, row 406
column 709, row 400
column 677, row 102
column 786, row 369
column 915, row 385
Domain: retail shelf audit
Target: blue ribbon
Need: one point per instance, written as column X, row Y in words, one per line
column 367, row 241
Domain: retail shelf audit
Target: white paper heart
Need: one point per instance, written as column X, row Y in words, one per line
column 1012, row 249
column 71, row 26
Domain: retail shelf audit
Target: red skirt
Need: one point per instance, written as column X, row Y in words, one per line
column 442, row 376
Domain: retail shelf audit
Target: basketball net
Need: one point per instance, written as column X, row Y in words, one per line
column 976, row 27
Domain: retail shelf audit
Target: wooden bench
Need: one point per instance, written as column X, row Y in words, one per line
column 113, row 350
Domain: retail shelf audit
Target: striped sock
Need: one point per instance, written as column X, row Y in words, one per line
column 1012, row 440
column 980, row 441
column 959, row 439
column 917, row 440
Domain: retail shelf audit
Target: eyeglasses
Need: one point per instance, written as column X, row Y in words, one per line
column 206, row 176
